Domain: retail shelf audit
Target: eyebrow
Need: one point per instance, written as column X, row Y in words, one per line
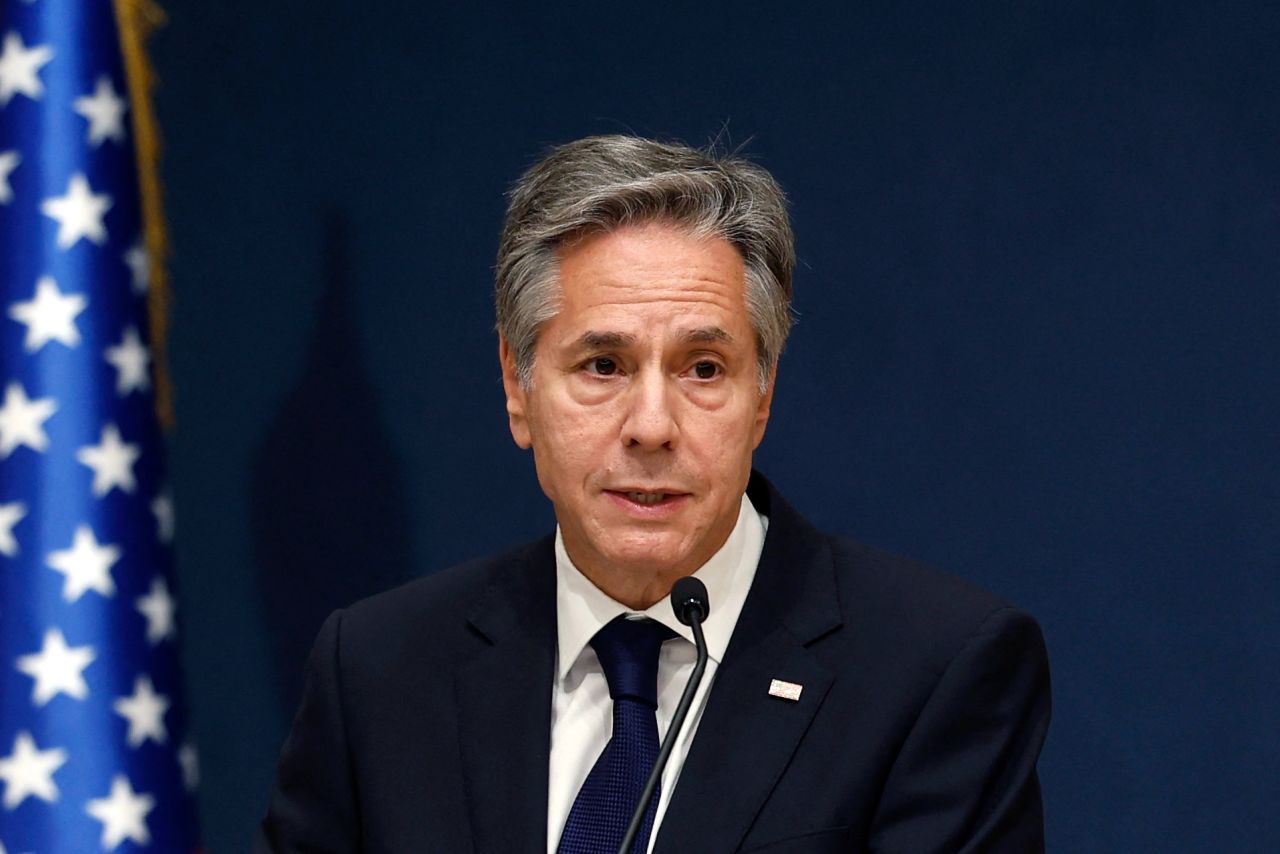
column 706, row 335
column 596, row 340
column 593, row 340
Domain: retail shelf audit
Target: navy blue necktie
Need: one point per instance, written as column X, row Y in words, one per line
column 628, row 652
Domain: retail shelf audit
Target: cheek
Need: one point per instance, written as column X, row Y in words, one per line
column 730, row 429
column 725, row 445
column 567, row 449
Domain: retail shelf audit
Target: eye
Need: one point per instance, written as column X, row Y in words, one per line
column 602, row 366
column 706, row 370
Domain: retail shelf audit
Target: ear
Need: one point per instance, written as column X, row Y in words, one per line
column 517, row 398
column 762, row 409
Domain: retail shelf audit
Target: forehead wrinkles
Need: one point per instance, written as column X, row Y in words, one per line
column 650, row 277
column 684, row 319
column 606, row 295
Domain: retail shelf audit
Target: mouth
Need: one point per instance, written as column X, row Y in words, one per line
column 647, row 500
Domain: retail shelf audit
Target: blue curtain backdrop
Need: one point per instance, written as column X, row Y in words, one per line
column 1040, row 258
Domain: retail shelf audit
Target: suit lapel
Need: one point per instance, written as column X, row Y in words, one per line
column 746, row 737
column 504, row 707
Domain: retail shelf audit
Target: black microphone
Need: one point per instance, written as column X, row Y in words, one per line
column 689, row 601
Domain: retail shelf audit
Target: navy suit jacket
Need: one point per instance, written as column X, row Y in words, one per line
column 426, row 719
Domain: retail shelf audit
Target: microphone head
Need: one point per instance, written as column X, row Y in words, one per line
column 688, row 595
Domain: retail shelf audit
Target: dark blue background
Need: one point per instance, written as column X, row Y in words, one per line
column 1039, row 336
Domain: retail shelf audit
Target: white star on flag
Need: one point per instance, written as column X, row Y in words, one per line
column 57, row 668
column 28, row 771
column 139, row 264
column 50, row 315
column 20, row 67
column 112, row 462
column 131, row 360
column 9, row 161
column 86, row 565
column 144, row 710
column 189, row 759
column 22, row 420
column 158, row 608
column 10, row 515
column 162, row 507
column 79, row 213
column 105, row 111
column 123, row 814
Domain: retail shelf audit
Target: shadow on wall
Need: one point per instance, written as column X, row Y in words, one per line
column 329, row 516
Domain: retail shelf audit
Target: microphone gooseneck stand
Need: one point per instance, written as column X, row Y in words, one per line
column 689, row 600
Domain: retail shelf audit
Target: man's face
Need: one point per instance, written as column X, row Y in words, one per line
column 644, row 408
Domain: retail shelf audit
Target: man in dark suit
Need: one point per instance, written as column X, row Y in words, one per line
column 854, row 701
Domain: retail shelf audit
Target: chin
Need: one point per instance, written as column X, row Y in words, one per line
column 646, row 554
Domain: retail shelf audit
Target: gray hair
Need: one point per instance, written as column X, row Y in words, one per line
column 603, row 183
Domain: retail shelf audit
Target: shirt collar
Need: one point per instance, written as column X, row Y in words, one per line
column 582, row 609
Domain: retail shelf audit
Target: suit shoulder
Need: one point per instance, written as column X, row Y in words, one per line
column 912, row 602
column 435, row 603
column 875, row 571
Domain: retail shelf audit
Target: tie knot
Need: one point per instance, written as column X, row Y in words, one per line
column 628, row 652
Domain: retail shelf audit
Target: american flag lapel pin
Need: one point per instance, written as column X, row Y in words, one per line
column 785, row 690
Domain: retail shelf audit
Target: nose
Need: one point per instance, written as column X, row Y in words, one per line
column 650, row 422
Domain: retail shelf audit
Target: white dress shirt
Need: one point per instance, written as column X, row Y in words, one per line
column 581, row 710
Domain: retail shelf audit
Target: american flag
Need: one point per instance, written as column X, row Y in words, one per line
column 94, row 747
